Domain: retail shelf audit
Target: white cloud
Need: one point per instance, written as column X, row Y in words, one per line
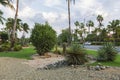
column 51, row 3
column 27, row 12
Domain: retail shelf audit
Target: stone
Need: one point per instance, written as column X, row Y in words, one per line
column 97, row 68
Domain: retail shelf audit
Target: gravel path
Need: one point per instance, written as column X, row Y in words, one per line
column 15, row 69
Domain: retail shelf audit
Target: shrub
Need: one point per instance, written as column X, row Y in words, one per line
column 107, row 52
column 17, row 47
column 5, row 47
column 43, row 38
column 76, row 55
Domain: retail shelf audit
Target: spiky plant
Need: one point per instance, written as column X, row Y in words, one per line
column 107, row 52
column 76, row 55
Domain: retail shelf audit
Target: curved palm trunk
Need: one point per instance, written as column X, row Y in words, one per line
column 14, row 27
column 69, row 18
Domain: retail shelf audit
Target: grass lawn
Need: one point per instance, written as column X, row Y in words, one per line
column 114, row 63
column 24, row 53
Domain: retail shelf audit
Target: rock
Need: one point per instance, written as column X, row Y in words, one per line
column 97, row 68
column 102, row 67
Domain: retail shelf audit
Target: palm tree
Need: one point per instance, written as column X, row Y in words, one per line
column 1, row 18
column 100, row 19
column 9, row 27
column 25, row 28
column 14, row 27
column 90, row 24
column 7, row 3
column 114, row 26
column 69, row 18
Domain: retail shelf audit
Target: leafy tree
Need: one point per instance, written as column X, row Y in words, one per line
column 43, row 38
column 64, row 36
column 91, row 37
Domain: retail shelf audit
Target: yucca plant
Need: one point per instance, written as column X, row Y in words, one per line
column 76, row 55
column 107, row 52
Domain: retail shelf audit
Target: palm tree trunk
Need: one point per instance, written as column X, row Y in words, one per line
column 69, row 18
column 14, row 27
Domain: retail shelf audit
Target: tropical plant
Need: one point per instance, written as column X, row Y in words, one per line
column 25, row 28
column 1, row 18
column 80, row 30
column 9, row 27
column 13, row 37
column 90, row 24
column 76, row 55
column 43, row 37
column 114, row 26
column 69, row 18
column 100, row 19
column 107, row 53
column 7, row 3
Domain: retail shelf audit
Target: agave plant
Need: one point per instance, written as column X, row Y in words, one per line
column 107, row 52
column 76, row 55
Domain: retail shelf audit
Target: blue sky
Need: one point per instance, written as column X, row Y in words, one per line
column 55, row 12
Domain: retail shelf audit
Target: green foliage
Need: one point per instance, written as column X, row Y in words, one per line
column 76, row 55
column 4, row 36
column 17, row 47
column 43, row 38
column 5, row 47
column 91, row 37
column 107, row 52
column 64, row 36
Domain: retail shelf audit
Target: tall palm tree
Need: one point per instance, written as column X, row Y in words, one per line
column 100, row 19
column 14, row 27
column 90, row 24
column 69, row 18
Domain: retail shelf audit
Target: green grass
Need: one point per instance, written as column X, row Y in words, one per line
column 92, row 52
column 23, row 54
column 114, row 63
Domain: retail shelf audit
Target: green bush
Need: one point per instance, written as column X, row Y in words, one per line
column 17, row 47
column 76, row 55
column 43, row 37
column 107, row 52
column 5, row 47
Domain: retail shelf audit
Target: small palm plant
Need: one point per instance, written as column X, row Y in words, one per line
column 107, row 52
column 76, row 55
